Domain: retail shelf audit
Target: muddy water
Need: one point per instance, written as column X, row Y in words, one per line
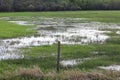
column 67, row 30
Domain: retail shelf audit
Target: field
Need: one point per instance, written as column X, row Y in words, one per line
column 103, row 16
column 90, row 45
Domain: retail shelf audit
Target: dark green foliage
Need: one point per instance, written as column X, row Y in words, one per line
column 58, row 5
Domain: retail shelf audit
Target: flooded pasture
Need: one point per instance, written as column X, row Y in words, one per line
column 49, row 30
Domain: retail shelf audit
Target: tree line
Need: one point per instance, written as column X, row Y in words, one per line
column 58, row 5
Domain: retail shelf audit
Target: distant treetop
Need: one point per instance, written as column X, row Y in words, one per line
column 58, row 5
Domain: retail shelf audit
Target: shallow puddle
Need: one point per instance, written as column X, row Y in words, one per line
column 70, row 30
column 113, row 67
column 73, row 62
column 69, row 63
column 21, row 22
column 118, row 32
column 67, row 30
column 9, row 48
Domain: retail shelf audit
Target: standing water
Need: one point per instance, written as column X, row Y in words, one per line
column 67, row 30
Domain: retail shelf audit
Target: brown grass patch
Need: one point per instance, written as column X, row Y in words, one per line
column 31, row 72
column 35, row 73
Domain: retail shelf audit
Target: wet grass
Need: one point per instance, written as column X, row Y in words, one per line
column 48, row 28
column 45, row 57
column 10, row 30
column 102, row 16
column 112, row 32
column 67, row 51
column 47, row 63
column 114, row 40
column 79, row 51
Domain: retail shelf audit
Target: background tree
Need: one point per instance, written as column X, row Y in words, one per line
column 58, row 5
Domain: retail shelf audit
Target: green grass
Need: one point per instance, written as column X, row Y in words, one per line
column 10, row 30
column 67, row 51
column 102, row 16
column 95, row 63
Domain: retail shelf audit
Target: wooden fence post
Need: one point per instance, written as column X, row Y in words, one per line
column 58, row 57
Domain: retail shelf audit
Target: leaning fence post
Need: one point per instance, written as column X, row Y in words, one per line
column 58, row 57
